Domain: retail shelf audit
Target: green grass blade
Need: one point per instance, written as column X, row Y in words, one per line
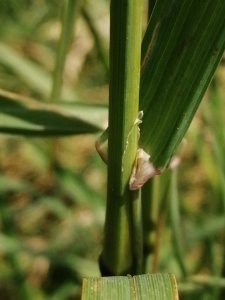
column 156, row 286
column 33, row 75
column 96, row 114
column 69, row 13
column 106, row 288
column 182, row 47
column 205, row 280
column 141, row 287
column 33, row 118
column 208, row 230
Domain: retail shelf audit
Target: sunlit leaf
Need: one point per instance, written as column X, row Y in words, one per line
column 182, row 47
column 141, row 287
column 32, row 118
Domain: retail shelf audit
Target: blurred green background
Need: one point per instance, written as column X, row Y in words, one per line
column 53, row 197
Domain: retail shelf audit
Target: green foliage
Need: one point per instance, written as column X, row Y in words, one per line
column 31, row 118
column 117, row 257
column 52, row 219
column 142, row 287
column 182, row 46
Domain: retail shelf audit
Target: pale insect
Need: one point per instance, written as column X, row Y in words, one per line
column 136, row 122
column 143, row 169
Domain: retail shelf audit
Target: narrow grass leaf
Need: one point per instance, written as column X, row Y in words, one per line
column 141, row 287
column 156, row 286
column 208, row 230
column 33, row 75
column 205, row 280
column 69, row 12
column 182, row 47
column 32, row 118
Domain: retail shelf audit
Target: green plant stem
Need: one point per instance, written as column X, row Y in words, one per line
column 69, row 13
column 175, row 222
column 148, row 223
column 137, row 232
column 218, row 144
column 125, row 45
column 159, row 230
column 218, row 135
column 150, row 202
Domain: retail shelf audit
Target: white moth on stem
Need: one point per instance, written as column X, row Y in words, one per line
column 143, row 169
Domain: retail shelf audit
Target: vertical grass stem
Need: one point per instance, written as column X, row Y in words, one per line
column 117, row 257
